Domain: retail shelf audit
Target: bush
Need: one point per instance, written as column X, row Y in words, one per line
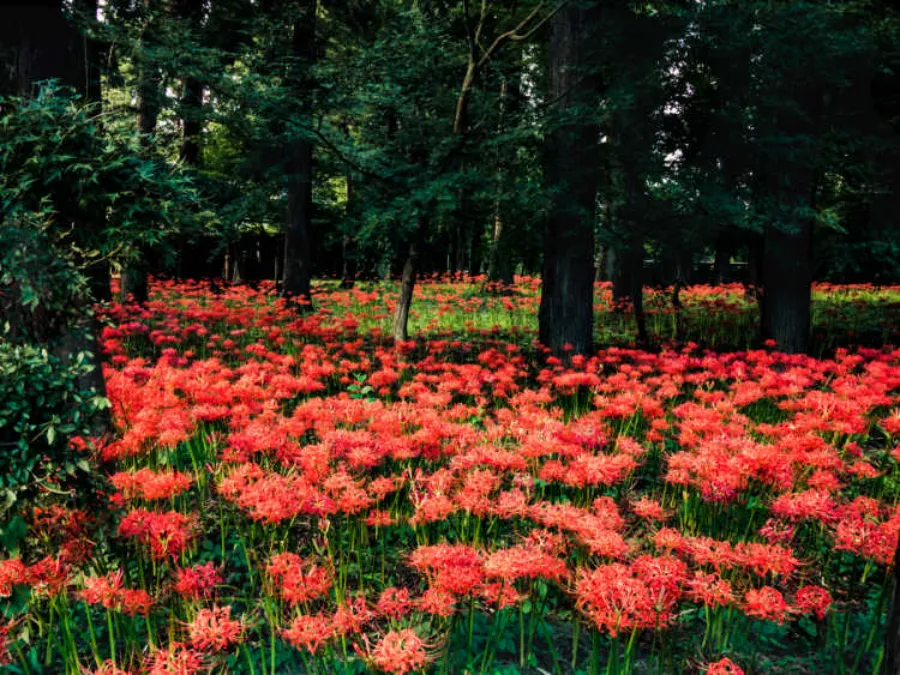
column 42, row 405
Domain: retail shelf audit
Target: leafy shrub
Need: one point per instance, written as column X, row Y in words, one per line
column 42, row 405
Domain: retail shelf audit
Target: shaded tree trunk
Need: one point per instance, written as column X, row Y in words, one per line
column 722, row 262
column 297, row 263
column 566, row 314
column 500, row 266
column 133, row 280
column 400, row 323
column 786, row 299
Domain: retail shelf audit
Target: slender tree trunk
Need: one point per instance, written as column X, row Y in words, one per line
column 400, row 324
column 297, row 261
column 133, row 281
column 500, row 267
column 722, row 262
column 566, row 314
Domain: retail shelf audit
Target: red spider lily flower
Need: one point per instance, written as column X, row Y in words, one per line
column 108, row 668
column 134, row 601
column 523, row 562
column 437, row 601
column 457, row 569
column 400, row 651
column 310, row 632
column 196, row 582
column 765, row 559
column 48, row 577
column 709, row 589
column 724, row 667
column 104, row 591
column 12, row 573
column 813, row 600
column 766, row 603
column 176, row 659
column 394, row 603
column 814, row 504
column 214, row 630
column 649, row 509
column 777, row 532
column 151, row 485
column 615, row 600
column 167, row 533
column 295, row 580
column 500, row 595
column 351, row 616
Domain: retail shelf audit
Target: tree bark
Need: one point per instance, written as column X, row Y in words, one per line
column 566, row 315
column 133, row 280
column 297, row 263
column 787, row 277
column 400, row 324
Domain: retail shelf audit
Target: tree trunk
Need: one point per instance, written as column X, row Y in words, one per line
column 787, row 279
column 566, row 314
column 500, row 267
column 134, row 273
column 722, row 262
column 297, row 262
column 400, row 324
column 133, row 284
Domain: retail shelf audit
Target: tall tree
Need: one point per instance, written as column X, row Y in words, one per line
column 299, row 164
column 566, row 315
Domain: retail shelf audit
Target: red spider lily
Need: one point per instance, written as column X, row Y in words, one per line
column 616, row 600
column 12, row 573
column 437, row 601
column 724, row 667
column 456, row 569
column 352, row 615
column 104, row 591
column 649, row 509
column 48, row 577
column 135, row 601
column 196, row 582
column 709, row 589
column 151, row 485
column 167, row 533
column 813, row 600
column 394, row 603
column 108, row 668
column 295, row 580
column 766, row 603
column 309, row 632
column 400, row 651
column 176, row 659
column 214, row 630
column 523, row 562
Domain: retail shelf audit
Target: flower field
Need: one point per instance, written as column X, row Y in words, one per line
column 291, row 494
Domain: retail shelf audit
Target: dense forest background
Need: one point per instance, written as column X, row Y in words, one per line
column 661, row 142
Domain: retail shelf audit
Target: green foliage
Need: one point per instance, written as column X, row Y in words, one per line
column 64, row 163
column 42, row 405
